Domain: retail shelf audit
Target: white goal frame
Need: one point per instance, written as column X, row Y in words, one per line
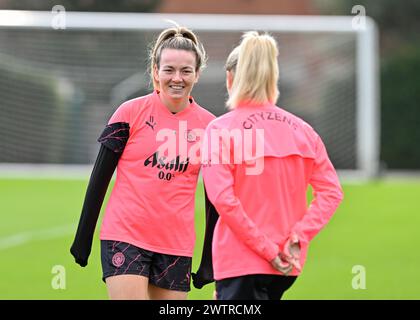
column 367, row 73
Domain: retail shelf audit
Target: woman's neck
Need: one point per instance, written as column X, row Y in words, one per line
column 173, row 105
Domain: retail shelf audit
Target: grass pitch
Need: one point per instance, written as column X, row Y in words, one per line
column 375, row 230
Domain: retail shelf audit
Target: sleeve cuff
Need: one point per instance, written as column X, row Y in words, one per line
column 297, row 236
column 271, row 252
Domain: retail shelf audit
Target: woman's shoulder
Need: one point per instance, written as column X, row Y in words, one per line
column 224, row 121
column 132, row 109
column 142, row 101
column 293, row 117
column 300, row 125
column 138, row 105
column 204, row 113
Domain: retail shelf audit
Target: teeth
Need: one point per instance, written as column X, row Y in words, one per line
column 176, row 87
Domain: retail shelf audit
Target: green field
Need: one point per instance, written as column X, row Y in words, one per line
column 376, row 226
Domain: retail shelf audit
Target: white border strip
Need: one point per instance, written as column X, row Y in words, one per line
column 367, row 108
column 45, row 171
column 23, row 238
column 158, row 21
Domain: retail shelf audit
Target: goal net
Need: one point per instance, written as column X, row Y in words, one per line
column 58, row 87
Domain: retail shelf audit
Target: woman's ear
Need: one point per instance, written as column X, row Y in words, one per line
column 229, row 79
column 155, row 73
column 156, row 85
column 197, row 76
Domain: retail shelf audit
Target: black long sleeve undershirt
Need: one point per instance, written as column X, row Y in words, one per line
column 113, row 141
column 104, row 168
column 204, row 274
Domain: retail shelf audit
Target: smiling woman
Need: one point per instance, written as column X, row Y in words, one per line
column 176, row 77
column 176, row 61
column 147, row 235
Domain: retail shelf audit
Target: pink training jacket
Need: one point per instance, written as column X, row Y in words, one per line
column 260, row 194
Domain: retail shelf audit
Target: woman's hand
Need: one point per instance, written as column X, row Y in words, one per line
column 292, row 252
column 285, row 262
column 280, row 264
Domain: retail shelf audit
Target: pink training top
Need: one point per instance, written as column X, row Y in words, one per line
column 261, row 199
column 152, row 203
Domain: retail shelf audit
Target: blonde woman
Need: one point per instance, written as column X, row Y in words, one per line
column 147, row 234
column 261, row 239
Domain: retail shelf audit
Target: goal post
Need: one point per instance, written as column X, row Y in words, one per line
column 328, row 76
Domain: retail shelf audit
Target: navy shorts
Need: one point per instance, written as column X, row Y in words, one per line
column 163, row 270
column 254, row 287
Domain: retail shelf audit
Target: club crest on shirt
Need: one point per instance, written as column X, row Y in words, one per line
column 118, row 259
column 190, row 136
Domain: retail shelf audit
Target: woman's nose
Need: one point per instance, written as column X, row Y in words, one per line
column 177, row 76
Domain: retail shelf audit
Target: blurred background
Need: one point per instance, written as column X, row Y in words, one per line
column 58, row 88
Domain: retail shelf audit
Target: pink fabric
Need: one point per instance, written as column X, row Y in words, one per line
column 152, row 203
column 260, row 208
